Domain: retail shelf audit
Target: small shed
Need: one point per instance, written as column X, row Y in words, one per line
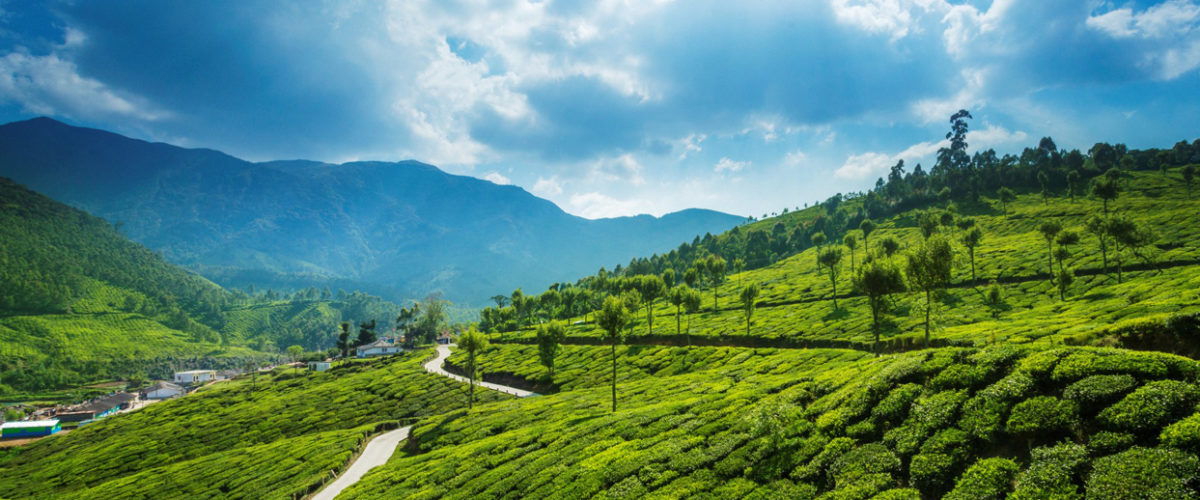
column 195, row 376
column 162, row 390
column 319, row 366
column 29, row 428
column 381, row 347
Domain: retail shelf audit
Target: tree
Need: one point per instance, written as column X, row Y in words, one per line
column 294, row 352
column 1006, row 196
column 994, row 299
column 612, row 318
column 715, row 266
column 408, row 317
column 890, row 246
column 1049, row 230
column 867, row 227
column 749, row 295
column 1126, row 234
column 1065, row 278
column 878, row 280
column 1072, row 179
column 433, row 315
column 691, row 304
column 929, row 266
column 1099, row 228
column 1064, row 240
column 971, row 239
column 651, row 288
column 473, row 342
column 929, row 222
column 366, row 333
column 549, row 339
column 343, row 343
column 739, row 265
column 851, row 242
column 500, row 300
column 1189, row 174
column 830, row 258
column 1044, row 182
column 818, row 239
column 676, row 297
column 1106, row 189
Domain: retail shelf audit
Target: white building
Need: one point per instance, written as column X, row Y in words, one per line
column 195, row 376
column 381, row 347
column 319, row 366
column 162, row 390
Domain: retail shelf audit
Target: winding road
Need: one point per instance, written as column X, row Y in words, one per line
column 380, row 448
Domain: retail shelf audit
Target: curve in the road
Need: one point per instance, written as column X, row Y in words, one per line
column 380, row 449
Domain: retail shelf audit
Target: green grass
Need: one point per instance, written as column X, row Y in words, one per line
column 275, row 410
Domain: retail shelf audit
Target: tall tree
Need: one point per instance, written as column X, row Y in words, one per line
column 549, row 339
column 651, row 288
column 1006, row 196
column 818, row 239
column 971, row 239
column 867, row 227
column 1072, row 180
column 878, row 280
column 890, row 246
column 715, row 266
column 749, row 295
column 1099, row 228
column 1049, row 230
column 343, row 342
column 830, row 258
column 294, row 352
column 676, row 297
column 1064, row 240
column 929, row 266
column 739, row 265
column 851, row 243
column 473, row 342
column 612, row 318
column 1106, row 189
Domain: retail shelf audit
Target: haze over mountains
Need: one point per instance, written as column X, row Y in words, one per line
column 400, row 230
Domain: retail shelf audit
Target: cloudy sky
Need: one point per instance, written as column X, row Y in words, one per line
column 613, row 107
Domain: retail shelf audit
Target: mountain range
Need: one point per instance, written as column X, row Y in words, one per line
column 396, row 229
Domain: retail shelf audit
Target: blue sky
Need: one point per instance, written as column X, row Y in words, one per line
column 613, row 107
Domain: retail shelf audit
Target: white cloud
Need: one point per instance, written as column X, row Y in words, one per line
column 690, row 144
column 624, row 168
column 891, row 17
column 52, row 85
column 970, row 96
column 1168, row 19
column 547, row 187
column 795, row 158
column 497, row 178
column 595, row 205
column 727, row 165
column 874, row 164
column 993, row 136
column 863, row 166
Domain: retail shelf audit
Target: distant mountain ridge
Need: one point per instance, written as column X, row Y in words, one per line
column 397, row 229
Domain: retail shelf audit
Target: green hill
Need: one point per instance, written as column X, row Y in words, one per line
column 80, row 303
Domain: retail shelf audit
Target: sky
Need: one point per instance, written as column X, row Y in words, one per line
column 613, row 107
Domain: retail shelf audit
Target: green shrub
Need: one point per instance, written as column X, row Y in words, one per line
column 1043, row 415
column 1145, row 473
column 1151, row 407
column 894, row 407
column 939, row 410
column 957, row 376
column 931, row 473
column 816, row 468
column 898, row 494
column 983, row 416
column 906, row 440
column 1096, row 392
column 862, row 431
column 864, row 487
column 1184, row 434
column 987, row 479
column 1086, row 363
column 1106, row 443
column 1051, row 473
column 1040, row 364
column 950, row 442
column 873, row 458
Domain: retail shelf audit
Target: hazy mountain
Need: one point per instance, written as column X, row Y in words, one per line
column 397, row 229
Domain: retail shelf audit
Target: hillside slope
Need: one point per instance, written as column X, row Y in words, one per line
column 400, row 230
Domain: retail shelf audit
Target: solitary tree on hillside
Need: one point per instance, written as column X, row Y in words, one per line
column 1049, row 230
column 739, row 265
column 1126, row 234
column 716, row 274
column 994, row 299
column 851, row 242
column 929, row 266
column 612, row 319
column 1072, row 180
column 971, row 239
column 867, row 227
column 1064, row 240
column 549, row 338
column 294, row 352
column 749, row 295
column 473, row 343
column 691, row 305
column 1065, row 278
column 676, row 297
column 818, row 239
column 1006, row 196
column 878, row 280
column 929, row 223
column 1044, row 182
column 1189, row 174
column 830, row 258
column 1106, row 189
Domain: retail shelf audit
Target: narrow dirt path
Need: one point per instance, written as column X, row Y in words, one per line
column 380, row 448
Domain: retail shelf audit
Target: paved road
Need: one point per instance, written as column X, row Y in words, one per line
column 377, row 453
column 380, row 448
column 435, row 366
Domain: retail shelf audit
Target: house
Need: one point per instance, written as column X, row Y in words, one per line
column 381, row 347
column 98, row 408
column 162, row 390
column 29, row 428
column 319, row 366
column 444, row 338
column 195, row 376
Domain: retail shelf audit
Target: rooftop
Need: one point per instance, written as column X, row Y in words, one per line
column 29, row 424
column 193, row 372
